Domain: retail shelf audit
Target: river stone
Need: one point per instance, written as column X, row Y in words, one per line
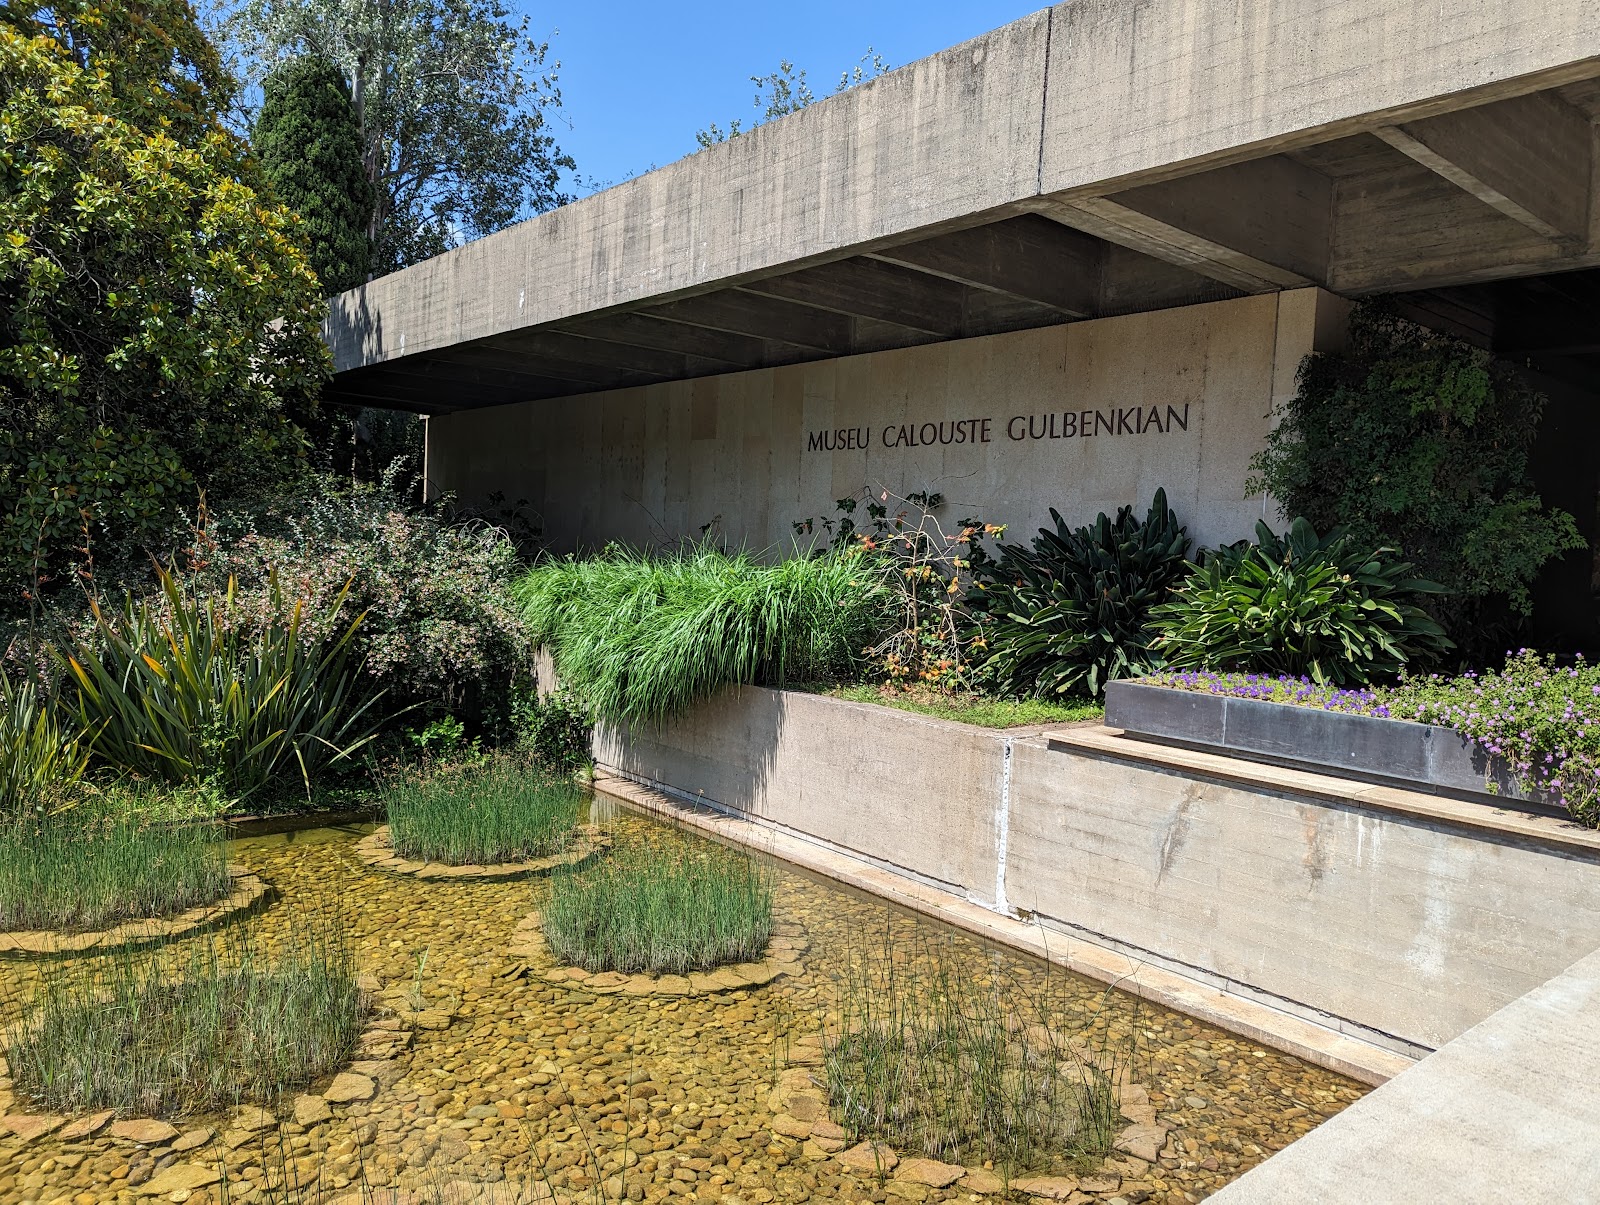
column 144, row 1130
column 1142, row 1141
column 790, row 1127
column 28, row 1126
column 981, row 1181
column 190, row 1139
column 251, row 1118
column 1051, row 1188
column 930, row 1172
column 180, row 1177
column 308, row 1110
column 869, row 1157
column 348, row 1087
column 87, row 1127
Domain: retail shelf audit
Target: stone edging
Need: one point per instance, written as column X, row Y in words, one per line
column 376, row 851
column 783, row 958
column 799, row 1103
column 248, row 892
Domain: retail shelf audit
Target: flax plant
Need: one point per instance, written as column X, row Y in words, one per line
column 40, row 756
column 662, row 908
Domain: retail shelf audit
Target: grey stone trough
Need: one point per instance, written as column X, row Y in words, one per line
column 1401, row 753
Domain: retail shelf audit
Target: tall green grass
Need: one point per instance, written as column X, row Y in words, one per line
column 75, row 870
column 963, row 1062
column 198, row 1027
column 194, row 690
column 641, row 637
column 666, row 909
column 497, row 810
column 39, row 755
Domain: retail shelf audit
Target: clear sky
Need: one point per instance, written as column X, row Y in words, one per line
column 639, row 78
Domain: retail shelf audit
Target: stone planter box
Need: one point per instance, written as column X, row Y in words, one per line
column 1402, row 753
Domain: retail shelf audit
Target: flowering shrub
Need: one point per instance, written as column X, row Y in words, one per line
column 1541, row 718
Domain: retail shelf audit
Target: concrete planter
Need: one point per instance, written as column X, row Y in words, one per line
column 1418, row 757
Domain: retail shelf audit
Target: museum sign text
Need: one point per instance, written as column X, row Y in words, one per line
column 1057, row 424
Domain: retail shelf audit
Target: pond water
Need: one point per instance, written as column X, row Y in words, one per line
column 525, row 1087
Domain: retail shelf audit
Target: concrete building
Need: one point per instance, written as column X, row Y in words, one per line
column 1059, row 265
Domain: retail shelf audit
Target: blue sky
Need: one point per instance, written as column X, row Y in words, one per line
column 638, row 79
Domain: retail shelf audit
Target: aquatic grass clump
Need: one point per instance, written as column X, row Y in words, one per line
column 206, row 1026
column 640, row 637
column 932, row 1052
column 477, row 814
column 665, row 909
column 77, row 871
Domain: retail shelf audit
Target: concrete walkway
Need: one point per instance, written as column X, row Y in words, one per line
column 1509, row 1111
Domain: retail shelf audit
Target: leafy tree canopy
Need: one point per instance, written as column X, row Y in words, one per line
column 309, row 143
column 452, row 98
column 159, row 326
column 1418, row 439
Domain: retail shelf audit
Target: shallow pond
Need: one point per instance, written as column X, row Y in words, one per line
column 521, row 1084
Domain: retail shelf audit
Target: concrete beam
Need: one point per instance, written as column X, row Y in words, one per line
column 1024, row 257
column 1127, row 227
column 865, row 288
column 639, row 329
column 1527, row 158
column 762, row 317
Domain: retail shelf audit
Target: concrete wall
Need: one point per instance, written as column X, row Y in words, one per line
column 656, row 463
column 1402, row 918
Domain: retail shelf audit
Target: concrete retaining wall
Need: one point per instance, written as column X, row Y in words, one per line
column 1401, row 918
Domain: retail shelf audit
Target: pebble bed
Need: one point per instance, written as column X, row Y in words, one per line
column 493, row 1085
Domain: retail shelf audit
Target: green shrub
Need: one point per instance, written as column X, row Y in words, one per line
column 641, row 637
column 1420, row 441
column 963, row 1063
column 1328, row 608
column 663, row 909
column 199, row 1027
column 188, row 692
column 1073, row 611
column 75, row 870
column 39, row 756
column 481, row 812
column 558, row 732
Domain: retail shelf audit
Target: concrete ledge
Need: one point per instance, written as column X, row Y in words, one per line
column 1316, row 1044
column 1505, row 1112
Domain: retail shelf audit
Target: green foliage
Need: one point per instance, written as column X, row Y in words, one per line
column 667, row 909
column 936, row 1055
column 641, row 637
column 1420, row 441
column 159, row 327
column 558, row 731
column 77, row 870
column 308, row 139
column 199, row 1027
column 480, row 812
column 985, row 711
column 1541, row 718
column 441, row 634
column 786, row 91
column 1073, row 611
column 451, row 97
column 40, row 757
column 1333, row 609
column 183, row 691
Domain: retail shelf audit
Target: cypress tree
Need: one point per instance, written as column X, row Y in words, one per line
column 309, row 142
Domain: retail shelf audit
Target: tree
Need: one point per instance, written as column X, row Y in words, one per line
column 309, row 143
column 159, row 325
column 786, row 91
column 451, row 98
column 1420, row 440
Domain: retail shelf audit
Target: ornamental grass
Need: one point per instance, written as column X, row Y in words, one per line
column 479, row 813
column 661, row 908
column 932, row 1051
column 75, row 871
column 198, row 1027
column 641, row 637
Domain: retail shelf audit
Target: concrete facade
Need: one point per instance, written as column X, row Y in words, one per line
column 1396, row 918
column 1082, row 417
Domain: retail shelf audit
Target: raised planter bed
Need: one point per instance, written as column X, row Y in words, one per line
column 1417, row 757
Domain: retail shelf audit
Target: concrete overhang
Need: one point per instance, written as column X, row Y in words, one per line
column 1096, row 158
